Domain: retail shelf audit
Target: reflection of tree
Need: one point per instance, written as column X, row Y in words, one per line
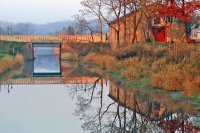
column 125, row 111
column 8, row 87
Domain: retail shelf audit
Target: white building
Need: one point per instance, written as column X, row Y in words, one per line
column 195, row 33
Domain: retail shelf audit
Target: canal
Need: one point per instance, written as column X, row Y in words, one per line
column 87, row 100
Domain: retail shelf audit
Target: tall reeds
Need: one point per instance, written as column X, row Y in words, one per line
column 8, row 62
column 173, row 69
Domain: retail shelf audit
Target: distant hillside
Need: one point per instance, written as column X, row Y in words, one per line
column 51, row 28
column 41, row 29
column 35, row 29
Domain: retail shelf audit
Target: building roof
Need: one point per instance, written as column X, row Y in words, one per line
column 132, row 12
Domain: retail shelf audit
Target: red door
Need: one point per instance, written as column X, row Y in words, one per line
column 159, row 34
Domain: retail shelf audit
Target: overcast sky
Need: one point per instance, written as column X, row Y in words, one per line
column 38, row 11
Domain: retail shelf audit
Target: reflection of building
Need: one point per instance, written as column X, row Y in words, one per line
column 142, row 103
column 169, row 115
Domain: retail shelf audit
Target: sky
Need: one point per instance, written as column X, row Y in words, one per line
column 38, row 11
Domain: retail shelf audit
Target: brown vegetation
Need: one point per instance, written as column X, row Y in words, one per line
column 19, row 60
column 173, row 69
column 105, row 61
column 8, row 62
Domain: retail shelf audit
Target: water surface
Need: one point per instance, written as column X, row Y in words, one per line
column 47, row 60
column 37, row 109
column 87, row 100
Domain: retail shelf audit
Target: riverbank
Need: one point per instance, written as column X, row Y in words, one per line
column 9, row 48
column 9, row 57
column 9, row 62
column 171, row 69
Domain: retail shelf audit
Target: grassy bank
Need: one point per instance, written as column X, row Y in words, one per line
column 9, row 62
column 171, row 69
column 10, row 48
column 9, row 57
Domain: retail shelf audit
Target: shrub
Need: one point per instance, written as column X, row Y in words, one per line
column 173, row 69
column 170, row 78
column 89, row 57
column 158, row 64
column 131, row 73
column 190, row 87
column 8, row 62
column 104, row 61
column 19, row 60
column 157, row 80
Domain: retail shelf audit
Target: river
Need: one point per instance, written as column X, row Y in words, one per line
column 87, row 100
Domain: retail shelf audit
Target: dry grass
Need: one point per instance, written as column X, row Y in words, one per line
column 173, row 69
column 104, row 61
column 8, row 62
column 19, row 60
column 169, row 78
column 134, row 67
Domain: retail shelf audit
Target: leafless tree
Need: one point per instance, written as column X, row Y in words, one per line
column 112, row 10
column 93, row 10
column 83, row 25
column 132, row 8
column 29, row 28
column 24, row 29
column 102, row 115
column 66, row 31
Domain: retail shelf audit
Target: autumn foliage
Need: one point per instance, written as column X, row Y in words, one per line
column 179, row 9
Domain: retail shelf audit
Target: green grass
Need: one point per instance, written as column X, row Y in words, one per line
column 19, row 76
column 196, row 99
column 9, row 48
column 176, row 96
column 3, row 53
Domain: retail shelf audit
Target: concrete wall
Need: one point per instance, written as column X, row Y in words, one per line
column 27, row 51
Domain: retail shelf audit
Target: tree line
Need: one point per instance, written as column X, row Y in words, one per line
column 17, row 29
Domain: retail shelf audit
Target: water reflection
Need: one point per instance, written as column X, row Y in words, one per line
column 8, row 88
column 101, row 104
column 47, row 60
column 127, row 110
column 37, row 109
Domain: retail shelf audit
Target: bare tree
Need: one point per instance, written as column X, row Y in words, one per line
column 132, row 7
column 83, row 25
column 29, row 28
column 112, row 9
column 66, row 31
column 149, row 10
column 93, row 9
column 24, row 29
column 195, row 22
